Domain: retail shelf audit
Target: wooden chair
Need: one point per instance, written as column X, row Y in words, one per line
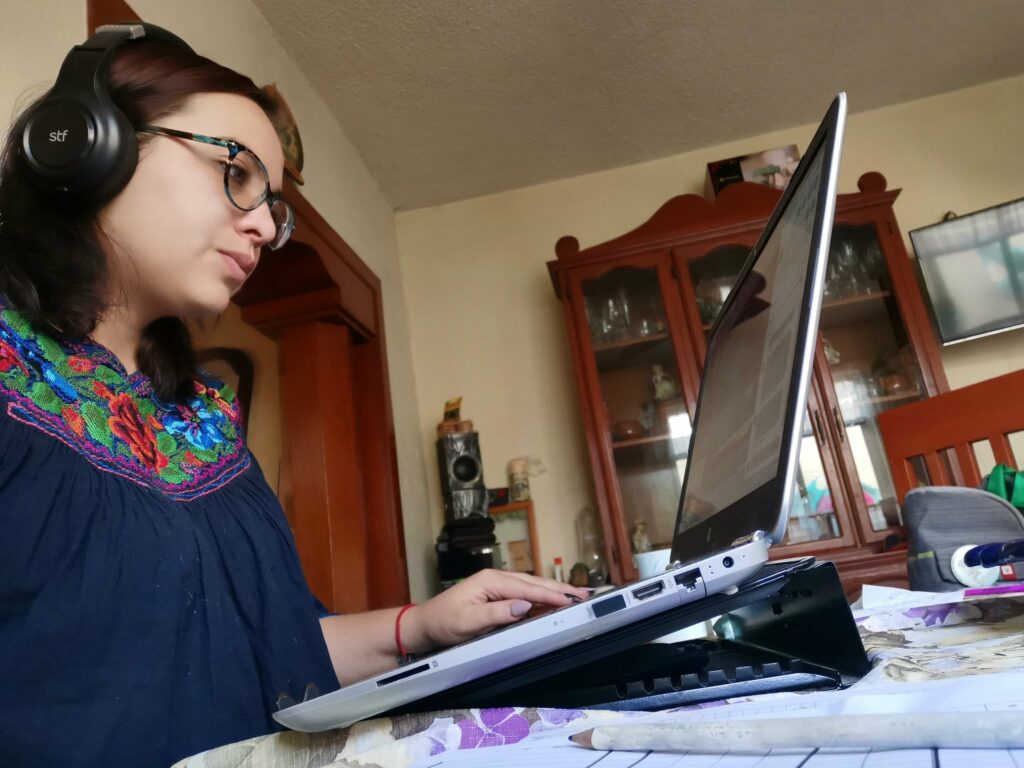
column 941, row 431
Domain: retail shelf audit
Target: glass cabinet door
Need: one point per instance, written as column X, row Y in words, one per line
column 813, row 515
column 872, row 364
column 712, row 276
column 815, row 511
column 645, row 413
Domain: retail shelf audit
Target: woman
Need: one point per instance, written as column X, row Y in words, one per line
column 151, row 600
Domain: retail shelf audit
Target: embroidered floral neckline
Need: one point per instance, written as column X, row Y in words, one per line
column 102, row 355
column 81, row 395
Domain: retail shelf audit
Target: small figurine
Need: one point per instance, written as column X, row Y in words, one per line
column 640, row 541
column 647, row 420
column 579, row 576
column 664, row 387
column 831, row 353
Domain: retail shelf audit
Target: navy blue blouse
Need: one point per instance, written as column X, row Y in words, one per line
column 151, row 600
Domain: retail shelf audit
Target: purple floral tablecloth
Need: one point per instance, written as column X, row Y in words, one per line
column 925, row 637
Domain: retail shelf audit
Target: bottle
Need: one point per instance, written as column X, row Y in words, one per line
column 558, row 569
column 591, row 545
column 518, row 480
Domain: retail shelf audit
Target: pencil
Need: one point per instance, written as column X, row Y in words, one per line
column 943, row 730
column 1000, row 590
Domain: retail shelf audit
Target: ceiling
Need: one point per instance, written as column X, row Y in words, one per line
column 451, row 99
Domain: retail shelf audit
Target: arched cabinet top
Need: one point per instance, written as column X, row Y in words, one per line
column 687, row 217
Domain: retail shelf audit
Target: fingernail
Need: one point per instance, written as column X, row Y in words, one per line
column 520, row 607
column 573, row 597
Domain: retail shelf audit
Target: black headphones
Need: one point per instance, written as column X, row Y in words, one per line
column 77, row 144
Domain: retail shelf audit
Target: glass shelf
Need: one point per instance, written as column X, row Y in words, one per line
column 643, row 351
column 895, row 398
column 630, row 342
column 646, row 440
column 854, row 310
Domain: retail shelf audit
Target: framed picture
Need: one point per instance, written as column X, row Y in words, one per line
column 770, row 167
column 516, row 534
column 288, row 132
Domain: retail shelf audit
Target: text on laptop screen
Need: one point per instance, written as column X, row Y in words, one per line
column 748, row 378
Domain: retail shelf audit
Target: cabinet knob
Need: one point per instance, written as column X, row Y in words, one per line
column 872, row 181
column 567, row 246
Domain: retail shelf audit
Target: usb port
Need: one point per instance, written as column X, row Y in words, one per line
column 650, row 590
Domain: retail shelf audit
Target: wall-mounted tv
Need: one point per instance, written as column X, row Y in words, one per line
column 973, row 270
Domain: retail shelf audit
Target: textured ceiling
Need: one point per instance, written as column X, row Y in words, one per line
column 451, row 99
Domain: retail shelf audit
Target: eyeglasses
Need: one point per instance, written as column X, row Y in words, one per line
column 246, row 181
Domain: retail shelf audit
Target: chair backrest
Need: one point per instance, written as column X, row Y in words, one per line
column 946, row 427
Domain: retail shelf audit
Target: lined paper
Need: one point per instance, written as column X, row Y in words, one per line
column 510, row 757
column 1002, row 691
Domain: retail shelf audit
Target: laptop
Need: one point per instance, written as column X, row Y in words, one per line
column 740, row 476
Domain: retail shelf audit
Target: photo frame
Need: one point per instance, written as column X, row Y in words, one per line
column 770, row 167
column 516, row 533
column 288, row 132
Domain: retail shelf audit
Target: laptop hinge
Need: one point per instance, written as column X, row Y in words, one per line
column 755, row 536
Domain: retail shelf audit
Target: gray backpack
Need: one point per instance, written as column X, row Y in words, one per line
column 942, row 519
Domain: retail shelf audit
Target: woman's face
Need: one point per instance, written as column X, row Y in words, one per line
column 178, row 246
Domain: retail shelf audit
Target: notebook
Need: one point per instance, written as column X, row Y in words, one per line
column 740, row 476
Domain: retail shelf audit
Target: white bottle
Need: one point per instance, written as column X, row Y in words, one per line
column 558, row 569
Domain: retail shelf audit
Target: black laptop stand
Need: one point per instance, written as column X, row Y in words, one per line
column 787, row 628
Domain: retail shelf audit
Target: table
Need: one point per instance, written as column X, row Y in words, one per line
column 914, row 637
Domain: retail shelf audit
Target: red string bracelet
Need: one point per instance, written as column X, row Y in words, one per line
column 403, row 655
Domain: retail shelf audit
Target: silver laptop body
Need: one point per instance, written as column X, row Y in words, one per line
column 741, row 470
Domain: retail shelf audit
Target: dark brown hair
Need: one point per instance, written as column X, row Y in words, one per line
column 53, row 266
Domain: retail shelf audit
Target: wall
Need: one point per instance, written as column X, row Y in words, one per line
column 337, row 183
column 486, row 323
column 44, row 33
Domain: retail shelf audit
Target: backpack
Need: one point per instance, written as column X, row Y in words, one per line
column 1006, row 482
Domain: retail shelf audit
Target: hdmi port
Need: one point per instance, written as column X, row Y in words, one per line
column 642, row 593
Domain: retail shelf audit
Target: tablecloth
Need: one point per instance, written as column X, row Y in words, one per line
column 913, row 637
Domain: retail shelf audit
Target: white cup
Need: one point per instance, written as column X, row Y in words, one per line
column 651, row 563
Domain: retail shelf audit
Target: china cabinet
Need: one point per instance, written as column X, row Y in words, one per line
column 638, row 310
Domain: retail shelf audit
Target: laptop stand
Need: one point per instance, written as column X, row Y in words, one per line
column 787, row 628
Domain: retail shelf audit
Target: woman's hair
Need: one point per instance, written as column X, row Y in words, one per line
column 53, row 266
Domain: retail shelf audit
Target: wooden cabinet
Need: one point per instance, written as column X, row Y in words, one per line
column 638, row 309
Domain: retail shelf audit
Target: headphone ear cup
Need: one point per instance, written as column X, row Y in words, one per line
column 77, row 145
column 112, row 158
column 81, row 150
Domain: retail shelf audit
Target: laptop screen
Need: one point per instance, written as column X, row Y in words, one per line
column 745, row 423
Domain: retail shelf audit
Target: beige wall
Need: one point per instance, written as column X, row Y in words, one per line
column 34, row 40
column 36, row 36
column 486, row 324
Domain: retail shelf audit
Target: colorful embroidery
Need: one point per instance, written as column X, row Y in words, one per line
column 81, row 396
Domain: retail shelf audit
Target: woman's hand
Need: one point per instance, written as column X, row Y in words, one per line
column 486, row 600
column 363, row 644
